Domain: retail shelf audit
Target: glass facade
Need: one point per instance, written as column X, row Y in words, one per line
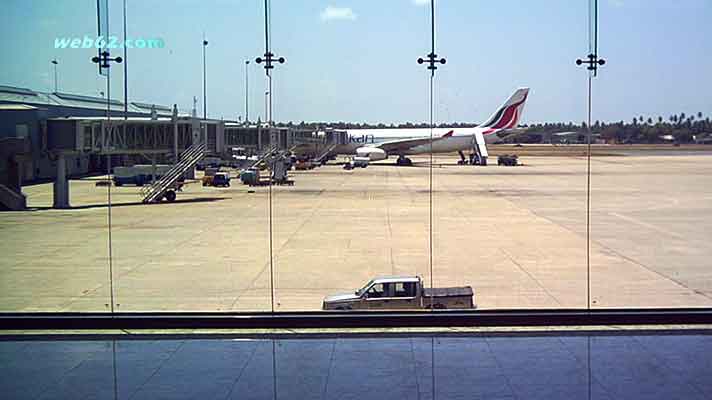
column 607, row 209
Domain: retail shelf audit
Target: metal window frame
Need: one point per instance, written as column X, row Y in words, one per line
column 351, row 319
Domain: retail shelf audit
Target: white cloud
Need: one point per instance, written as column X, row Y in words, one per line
column 332, row 13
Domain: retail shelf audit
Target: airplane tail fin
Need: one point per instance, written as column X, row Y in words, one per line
column 510, row 113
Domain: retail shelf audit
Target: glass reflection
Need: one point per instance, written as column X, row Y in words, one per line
column 564, row 365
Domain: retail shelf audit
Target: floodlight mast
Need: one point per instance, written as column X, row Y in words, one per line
column 126, row 74
column 593, row 62
column 268, row 59
column 247, row 91
column 431, row 59
column 205, row 96
column 104, row 60
column 54, row 63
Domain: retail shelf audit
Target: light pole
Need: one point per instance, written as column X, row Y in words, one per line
column 431, row 59
column 126, row 75
column 205, row 104
column 268, row 59
column 266, row 107
column 247, row 86
column 55, row 62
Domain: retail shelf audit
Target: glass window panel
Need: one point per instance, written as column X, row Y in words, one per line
column 651, row 216
column 513, row 229
column 53, row 223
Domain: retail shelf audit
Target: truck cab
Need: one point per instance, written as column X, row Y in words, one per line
column 393, row 293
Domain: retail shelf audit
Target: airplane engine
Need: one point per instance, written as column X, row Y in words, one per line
column 373, row 153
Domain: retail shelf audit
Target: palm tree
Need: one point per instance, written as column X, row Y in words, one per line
column 650, row 121
column 660, row 119
column 699, row 115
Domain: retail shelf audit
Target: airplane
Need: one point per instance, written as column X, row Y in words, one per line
column 378, row 144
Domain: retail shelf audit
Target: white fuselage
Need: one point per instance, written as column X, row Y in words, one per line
column 460, row 140
column 378, row 144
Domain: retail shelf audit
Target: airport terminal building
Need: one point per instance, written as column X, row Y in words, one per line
column 77, row 126
column 52, row 122
column 46, row 135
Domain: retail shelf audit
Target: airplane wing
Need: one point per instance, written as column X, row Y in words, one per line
column 511, row 133
column 401, row 145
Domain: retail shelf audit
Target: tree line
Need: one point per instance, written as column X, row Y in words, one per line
column 681, row 128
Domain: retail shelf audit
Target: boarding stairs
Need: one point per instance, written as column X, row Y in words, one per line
column 481, row 147
column 189, row 158
column 323, row 157
column 479, row 153
column 11, row 199
column 264, row 156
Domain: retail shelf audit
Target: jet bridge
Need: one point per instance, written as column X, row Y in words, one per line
column 113, row 142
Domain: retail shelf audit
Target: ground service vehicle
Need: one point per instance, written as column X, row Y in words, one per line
column 209, row 162
column 138, row 175
column 509, row 160
column 303, row 165
column 250, row 176
column 361, row 162
column 218, row 179
column 401, row 292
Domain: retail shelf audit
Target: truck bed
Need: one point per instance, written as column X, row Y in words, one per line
column 458, row 291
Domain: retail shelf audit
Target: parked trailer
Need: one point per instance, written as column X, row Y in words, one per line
column 211, row 162
column 138, row 175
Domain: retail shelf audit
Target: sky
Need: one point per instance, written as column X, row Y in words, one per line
column 355, row 60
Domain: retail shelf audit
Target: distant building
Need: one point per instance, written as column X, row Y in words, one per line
column 568, row 138
column 703, row 138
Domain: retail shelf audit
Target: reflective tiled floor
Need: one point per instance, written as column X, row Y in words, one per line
column 517, row 366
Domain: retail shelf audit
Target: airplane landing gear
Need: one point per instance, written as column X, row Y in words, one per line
column 403, row 161
column 473, row 159
column 462, row 160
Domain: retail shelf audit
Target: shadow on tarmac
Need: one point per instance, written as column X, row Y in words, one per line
column 135, row 203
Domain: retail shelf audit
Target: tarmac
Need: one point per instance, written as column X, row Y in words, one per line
column 517, row 235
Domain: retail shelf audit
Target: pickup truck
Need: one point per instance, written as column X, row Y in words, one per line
column 401, row 292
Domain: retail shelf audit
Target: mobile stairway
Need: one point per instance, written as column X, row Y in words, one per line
column 324, row 156
column 272, row 151
column 11, row 199
column 168, row 183
column 479, row 153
